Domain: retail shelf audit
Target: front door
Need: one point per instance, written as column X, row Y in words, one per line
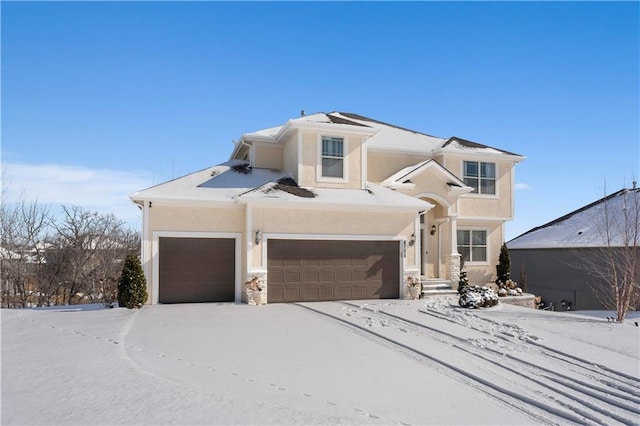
column 430, row 239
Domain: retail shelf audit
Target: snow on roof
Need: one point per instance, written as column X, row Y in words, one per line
column 387, row 137
column 374, row 196
column 585, row 227
column 235, row 181
column 459, row 145
column 219, row 183
column 394, row 138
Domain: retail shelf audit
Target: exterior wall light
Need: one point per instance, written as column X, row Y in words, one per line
column 258, row 236
column 433, row 229
column 412, row 241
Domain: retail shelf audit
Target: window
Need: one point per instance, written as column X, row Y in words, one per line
column 472, row 245
column 332, row 157
column 480, row 176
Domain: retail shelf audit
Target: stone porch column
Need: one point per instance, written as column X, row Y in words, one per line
column 453, row 261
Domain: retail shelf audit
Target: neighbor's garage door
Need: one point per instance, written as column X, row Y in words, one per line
column 309, row 270
column 196, row 270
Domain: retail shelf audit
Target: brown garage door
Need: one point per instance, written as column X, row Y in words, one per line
column 196, row 270
column 309, row 270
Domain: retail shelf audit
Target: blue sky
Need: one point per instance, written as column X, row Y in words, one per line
column 100, row 99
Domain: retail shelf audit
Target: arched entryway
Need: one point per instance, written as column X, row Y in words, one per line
column 434, row 240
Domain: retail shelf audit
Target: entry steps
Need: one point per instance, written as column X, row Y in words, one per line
column 436, row 287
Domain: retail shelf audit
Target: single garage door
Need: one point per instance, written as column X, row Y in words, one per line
column 310, row 270
column 196, row 270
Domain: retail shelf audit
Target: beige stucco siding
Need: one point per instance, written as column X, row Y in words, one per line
column 382, row 165
column 487, row 206
column 290, row 156
column 194, row 219
column 268, row 157
column 191, row 219
column 311, row 154
column 482, row 273
column 314, row 223
column 431, row 186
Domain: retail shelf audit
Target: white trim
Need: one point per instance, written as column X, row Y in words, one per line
column 310, row 204
column 439, row 198
column 189, row 202
column 146, row 242
column 484, row 219
column 300, row 165
column 249, row 234
column 478, row 194
column 155, row 255
column 482, row 156
column 417, row 246
column 331, row 127
column 363, row 163
column 345, row 159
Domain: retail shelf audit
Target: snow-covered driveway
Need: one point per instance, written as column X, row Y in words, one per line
column 373, row 362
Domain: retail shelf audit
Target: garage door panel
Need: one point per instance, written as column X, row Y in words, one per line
column 193, row 270
column 291, row 293
column 327, row 276
column 292, row 276
column 305, row 270
column 311, row 276
column 327, row 293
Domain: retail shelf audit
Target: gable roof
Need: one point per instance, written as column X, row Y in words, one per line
column 383, row 136
column 455, row 143
column 402, row 178
column 235, row 182
column 584, row 227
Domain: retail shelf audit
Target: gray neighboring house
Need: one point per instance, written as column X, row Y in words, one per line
column 554, row 255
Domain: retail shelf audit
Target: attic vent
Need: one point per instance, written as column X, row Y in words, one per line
column 243, row 168
column 407, row 181
column 453, row 184
column 289, row 185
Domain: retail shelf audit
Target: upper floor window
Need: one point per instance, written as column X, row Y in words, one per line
column 332, row 157
column 472, row 245
column 480, row 176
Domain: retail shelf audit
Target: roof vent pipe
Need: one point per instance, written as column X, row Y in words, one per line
column 302, row 113
column 634, row 183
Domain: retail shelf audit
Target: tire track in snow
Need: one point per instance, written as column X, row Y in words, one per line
column 587, row 411
column 539, row 412
column 589, row 396
column 629, row 395
column 612, row 378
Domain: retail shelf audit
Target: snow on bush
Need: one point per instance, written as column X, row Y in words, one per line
column 474, row 296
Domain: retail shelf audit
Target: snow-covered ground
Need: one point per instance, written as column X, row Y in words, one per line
column 368, row 362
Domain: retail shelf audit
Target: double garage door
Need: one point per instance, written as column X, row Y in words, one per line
column 195, row 270
column 309, row 270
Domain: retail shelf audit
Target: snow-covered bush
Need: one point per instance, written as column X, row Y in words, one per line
column 508, row 288
column 463, row 282
column 473, row 296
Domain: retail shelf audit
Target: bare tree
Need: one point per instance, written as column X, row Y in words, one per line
column 615, row 264
column 24, row 226
column 91, row 247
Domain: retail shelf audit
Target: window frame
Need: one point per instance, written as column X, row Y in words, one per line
column 478, row 188
column 471, row 245
column 320, row 177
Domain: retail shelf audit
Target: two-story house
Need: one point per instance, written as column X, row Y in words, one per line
column 328, row 207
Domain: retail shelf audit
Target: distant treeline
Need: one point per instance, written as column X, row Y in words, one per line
column 76, row 258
